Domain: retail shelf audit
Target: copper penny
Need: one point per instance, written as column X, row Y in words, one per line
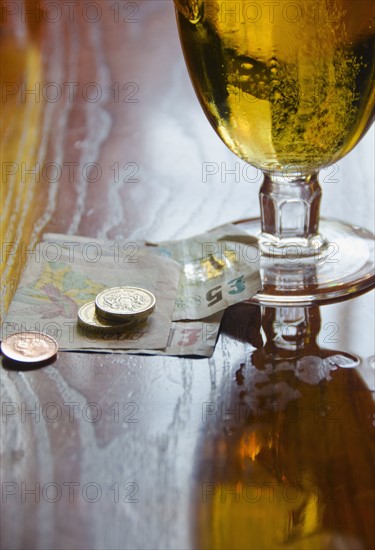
column 29, row 347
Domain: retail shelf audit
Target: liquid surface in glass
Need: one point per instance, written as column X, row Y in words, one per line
column 286, row 85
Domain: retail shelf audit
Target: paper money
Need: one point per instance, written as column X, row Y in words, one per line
column 194, row 281
column 186, row 338
column 219, row 268
column 63, row 275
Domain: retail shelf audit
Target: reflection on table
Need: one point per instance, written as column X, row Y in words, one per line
column 290, row 461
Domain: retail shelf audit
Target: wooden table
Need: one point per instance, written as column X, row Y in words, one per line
column 261, row 445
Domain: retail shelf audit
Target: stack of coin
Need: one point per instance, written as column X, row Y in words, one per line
column 117, row 309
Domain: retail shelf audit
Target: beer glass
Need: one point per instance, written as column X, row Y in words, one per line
column 288, row 86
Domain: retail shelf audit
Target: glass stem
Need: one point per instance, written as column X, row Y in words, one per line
column 290, row 207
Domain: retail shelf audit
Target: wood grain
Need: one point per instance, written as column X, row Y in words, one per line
column 117, row 446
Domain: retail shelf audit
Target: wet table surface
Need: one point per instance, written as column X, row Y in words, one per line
column 268, row 444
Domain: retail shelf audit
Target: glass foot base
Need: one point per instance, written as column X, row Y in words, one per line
column 342, row 268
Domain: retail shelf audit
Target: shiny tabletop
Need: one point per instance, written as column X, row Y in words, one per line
column 268, row 443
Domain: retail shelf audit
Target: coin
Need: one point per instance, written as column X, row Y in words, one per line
column 124, row 303
column 88, row 318
column 29, row 346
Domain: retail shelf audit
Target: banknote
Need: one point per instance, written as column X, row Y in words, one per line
column 194, row 281
column 186, row 338
column 62, row 276
column 219, row 268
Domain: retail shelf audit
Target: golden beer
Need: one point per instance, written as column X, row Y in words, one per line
column 288, row 86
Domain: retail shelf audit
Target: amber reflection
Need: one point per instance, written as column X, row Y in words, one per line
column 22, row 191
column 290, row 461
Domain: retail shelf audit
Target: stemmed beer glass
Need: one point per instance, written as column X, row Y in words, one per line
column 288, row 86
